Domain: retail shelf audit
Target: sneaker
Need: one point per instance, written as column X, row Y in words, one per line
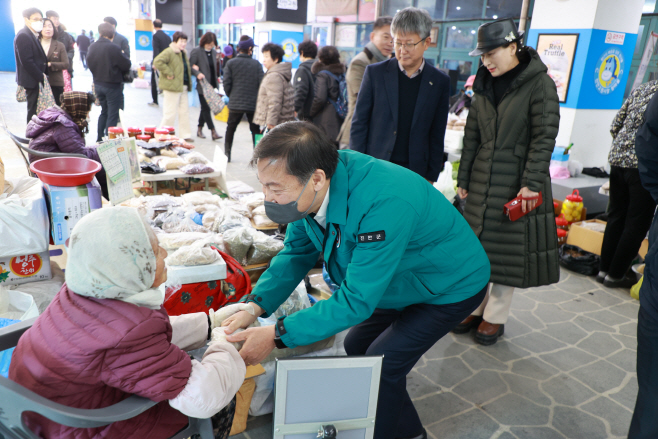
column 153, row 104
column 601, row 276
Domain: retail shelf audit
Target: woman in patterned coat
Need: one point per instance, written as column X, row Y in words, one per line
column 631, row 206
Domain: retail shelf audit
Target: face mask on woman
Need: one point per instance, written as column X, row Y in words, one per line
column 469, row 93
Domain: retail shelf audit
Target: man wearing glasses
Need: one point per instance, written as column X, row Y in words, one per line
column 402, row 108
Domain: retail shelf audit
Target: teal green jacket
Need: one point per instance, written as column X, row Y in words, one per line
column 392, row 240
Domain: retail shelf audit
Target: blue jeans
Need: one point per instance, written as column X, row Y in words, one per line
column 111, row 102
column 403, row 337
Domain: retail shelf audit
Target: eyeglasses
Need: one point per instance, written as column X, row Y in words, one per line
column 408, row 46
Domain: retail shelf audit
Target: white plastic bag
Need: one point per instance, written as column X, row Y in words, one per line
column 23, row 218
column 445, row 185
column 17, row 305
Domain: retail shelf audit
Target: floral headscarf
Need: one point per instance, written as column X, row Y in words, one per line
column 111, row 257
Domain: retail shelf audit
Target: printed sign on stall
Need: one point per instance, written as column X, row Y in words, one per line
column 558, row 51
column 290, row 42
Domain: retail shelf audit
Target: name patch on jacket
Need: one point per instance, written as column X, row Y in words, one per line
column 372, row 236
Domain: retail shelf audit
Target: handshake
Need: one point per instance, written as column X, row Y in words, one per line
column 220, row 320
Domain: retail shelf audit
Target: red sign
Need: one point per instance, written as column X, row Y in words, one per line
column 26, row 266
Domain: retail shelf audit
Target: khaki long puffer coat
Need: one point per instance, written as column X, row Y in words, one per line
column 507, row 148
column 276, row 96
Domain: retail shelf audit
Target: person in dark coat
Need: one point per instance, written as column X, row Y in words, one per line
column 63, row 129
column 83, row 43
column 328, row 71
column 202, row 60
column 402, row 108
column 645, row 423
column 119, row 39
column 508, row 141
column 304, row 80
column 92, row 40
column 31, row 60
column 242, row 77
column 58, row 60
column 107, row 64
column 63, row 37
column 160, row 42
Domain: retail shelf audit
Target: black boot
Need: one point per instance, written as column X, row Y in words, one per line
column 227, row 151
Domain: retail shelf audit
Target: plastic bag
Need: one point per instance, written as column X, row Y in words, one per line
column 174, row 241
column 180, row 151
column 445, row 184
column 263, row 221
column 194, row 254
column 635, row 289
column 237, row 207
column 24, row 221
column 237, row 241
column 168, row 162
column 238, row 189
column 201, row 197
column 147, row 152
column 233, row 224
column 198, row 168
column 252, row 201
column 263, row 248
column 578, row 260
column 177, row 221
column 17, row 305
column 195, row 158
column 297, row 301
column 168, row 153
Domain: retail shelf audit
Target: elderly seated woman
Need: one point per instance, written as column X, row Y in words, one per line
column 106, row 336
column 62, row 129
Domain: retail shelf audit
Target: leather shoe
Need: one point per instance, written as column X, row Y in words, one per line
column 215, row 136
column 467, row 324
column 423, row 435
column 601, row 276
column 488, row 333
column 199, row 133
column 627, row 282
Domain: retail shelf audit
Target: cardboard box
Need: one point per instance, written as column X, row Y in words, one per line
column 66, row 205
column 644, row 248
column 25, row 268
column 588, row 240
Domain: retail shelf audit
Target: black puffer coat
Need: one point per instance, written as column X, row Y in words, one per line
column 323, row 112
column 507, row 148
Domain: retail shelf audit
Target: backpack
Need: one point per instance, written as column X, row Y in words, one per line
column 341, row 103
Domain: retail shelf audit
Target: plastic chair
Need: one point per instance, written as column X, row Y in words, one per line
column 15, row 400
column 20, row 141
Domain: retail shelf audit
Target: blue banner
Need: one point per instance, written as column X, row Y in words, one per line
column 143, row 40
column 290, row 43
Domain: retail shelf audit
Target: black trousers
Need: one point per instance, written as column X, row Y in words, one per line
column 154, row 85
column 403, row 337
column 644, row 424
column 58, row 91
column 32, row 99
column 234, row 118
column 206, row 115
column 630, row 213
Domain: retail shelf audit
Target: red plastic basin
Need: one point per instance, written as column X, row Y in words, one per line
column 66, row 171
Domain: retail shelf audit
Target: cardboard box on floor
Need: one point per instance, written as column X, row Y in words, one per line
column 589, row 240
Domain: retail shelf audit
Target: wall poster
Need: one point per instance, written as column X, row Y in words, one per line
column 558, row 51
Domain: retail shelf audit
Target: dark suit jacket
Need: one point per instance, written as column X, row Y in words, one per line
column 160, row 42
column 122, row 42
column 375, row 121
column 199, row 58
column 31, row 60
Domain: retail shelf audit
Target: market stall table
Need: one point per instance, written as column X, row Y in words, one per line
column 174, row 174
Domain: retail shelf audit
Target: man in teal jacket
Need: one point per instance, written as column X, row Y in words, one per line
column 408, row 265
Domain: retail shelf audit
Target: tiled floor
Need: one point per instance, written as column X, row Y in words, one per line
column 565, row 368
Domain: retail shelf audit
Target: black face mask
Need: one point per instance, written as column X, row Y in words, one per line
column 287, row 213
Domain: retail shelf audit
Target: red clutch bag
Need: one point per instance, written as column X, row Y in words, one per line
column 513, row 209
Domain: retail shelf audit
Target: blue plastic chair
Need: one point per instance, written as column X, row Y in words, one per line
column 15, row 400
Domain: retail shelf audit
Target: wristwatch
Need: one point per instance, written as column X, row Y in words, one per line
column 279, row 331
